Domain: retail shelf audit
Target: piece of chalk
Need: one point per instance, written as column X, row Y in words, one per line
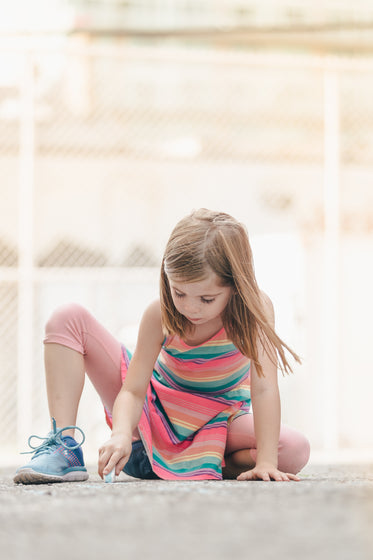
column 110, row 477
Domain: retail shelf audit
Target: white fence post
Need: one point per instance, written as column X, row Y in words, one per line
column 25, row 250
column 330, row 316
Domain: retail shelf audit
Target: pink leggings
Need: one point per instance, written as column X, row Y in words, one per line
column 73, row 326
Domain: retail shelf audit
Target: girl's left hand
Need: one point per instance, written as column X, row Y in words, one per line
column 267, row 472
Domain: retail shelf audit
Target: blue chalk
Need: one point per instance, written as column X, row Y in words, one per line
column 110, row 477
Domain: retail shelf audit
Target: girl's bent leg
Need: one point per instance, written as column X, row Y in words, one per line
column 76, row 343
column 293, row 448
column 64, row 369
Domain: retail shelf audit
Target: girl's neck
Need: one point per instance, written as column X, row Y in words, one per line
column 199, row 334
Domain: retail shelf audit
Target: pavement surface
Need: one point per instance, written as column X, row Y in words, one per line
column 327, row 515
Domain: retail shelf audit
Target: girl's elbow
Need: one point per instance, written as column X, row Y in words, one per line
column 271, row 392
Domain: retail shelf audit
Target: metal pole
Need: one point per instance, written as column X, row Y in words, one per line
column 330, row 311
column 25, row 251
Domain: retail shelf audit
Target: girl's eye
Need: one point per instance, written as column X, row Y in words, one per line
column 178, row 295
column 207, row 300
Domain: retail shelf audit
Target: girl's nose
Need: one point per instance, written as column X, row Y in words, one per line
column 192, row 307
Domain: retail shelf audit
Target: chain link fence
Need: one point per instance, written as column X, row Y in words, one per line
column 103, row 147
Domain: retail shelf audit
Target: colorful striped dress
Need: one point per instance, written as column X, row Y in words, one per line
column 193, row 395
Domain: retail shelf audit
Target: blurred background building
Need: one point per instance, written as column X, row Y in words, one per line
column 117, row 118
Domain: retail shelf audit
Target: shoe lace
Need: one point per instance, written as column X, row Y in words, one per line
column 52, row 440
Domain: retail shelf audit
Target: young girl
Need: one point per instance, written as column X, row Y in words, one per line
column 180, row 407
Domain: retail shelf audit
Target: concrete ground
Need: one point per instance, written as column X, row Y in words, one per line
column 328, row 515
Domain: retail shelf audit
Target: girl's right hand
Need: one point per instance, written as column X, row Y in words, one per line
column 114, row 454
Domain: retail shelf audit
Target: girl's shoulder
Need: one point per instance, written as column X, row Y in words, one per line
column 151, row 319
column 153, row 310
column 149, row 339
column 268, row 307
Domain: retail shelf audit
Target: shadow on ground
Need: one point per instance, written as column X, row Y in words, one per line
column 328, row 515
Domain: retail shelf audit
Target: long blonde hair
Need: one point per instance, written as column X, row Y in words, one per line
column 207, row 240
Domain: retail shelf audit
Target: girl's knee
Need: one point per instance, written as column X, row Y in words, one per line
column 70, row 313
column 294, row 452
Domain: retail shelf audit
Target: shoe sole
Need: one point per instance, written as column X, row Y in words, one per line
column 28, row 476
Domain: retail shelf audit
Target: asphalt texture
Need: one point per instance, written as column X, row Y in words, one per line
column 327, row 515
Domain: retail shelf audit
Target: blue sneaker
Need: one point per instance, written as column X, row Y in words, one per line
column 58, row 459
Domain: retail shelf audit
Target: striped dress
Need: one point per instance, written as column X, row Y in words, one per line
column 193, row 395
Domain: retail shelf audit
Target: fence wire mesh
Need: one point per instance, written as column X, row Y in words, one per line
column 126, row 140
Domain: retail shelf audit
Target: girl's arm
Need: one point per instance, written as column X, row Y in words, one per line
column 267, row 414
column 129, row 403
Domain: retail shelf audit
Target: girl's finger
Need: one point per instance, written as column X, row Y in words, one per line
column 278, row 477
column 293, row 477
column 245, row 476
column 121, row 464
column 107, row 462
column 102, row 461
column 111, row 464
column 284, row 478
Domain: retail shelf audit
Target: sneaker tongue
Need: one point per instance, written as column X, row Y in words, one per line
column 69, row 441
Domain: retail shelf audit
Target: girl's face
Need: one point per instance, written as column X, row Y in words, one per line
column 200, row 302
